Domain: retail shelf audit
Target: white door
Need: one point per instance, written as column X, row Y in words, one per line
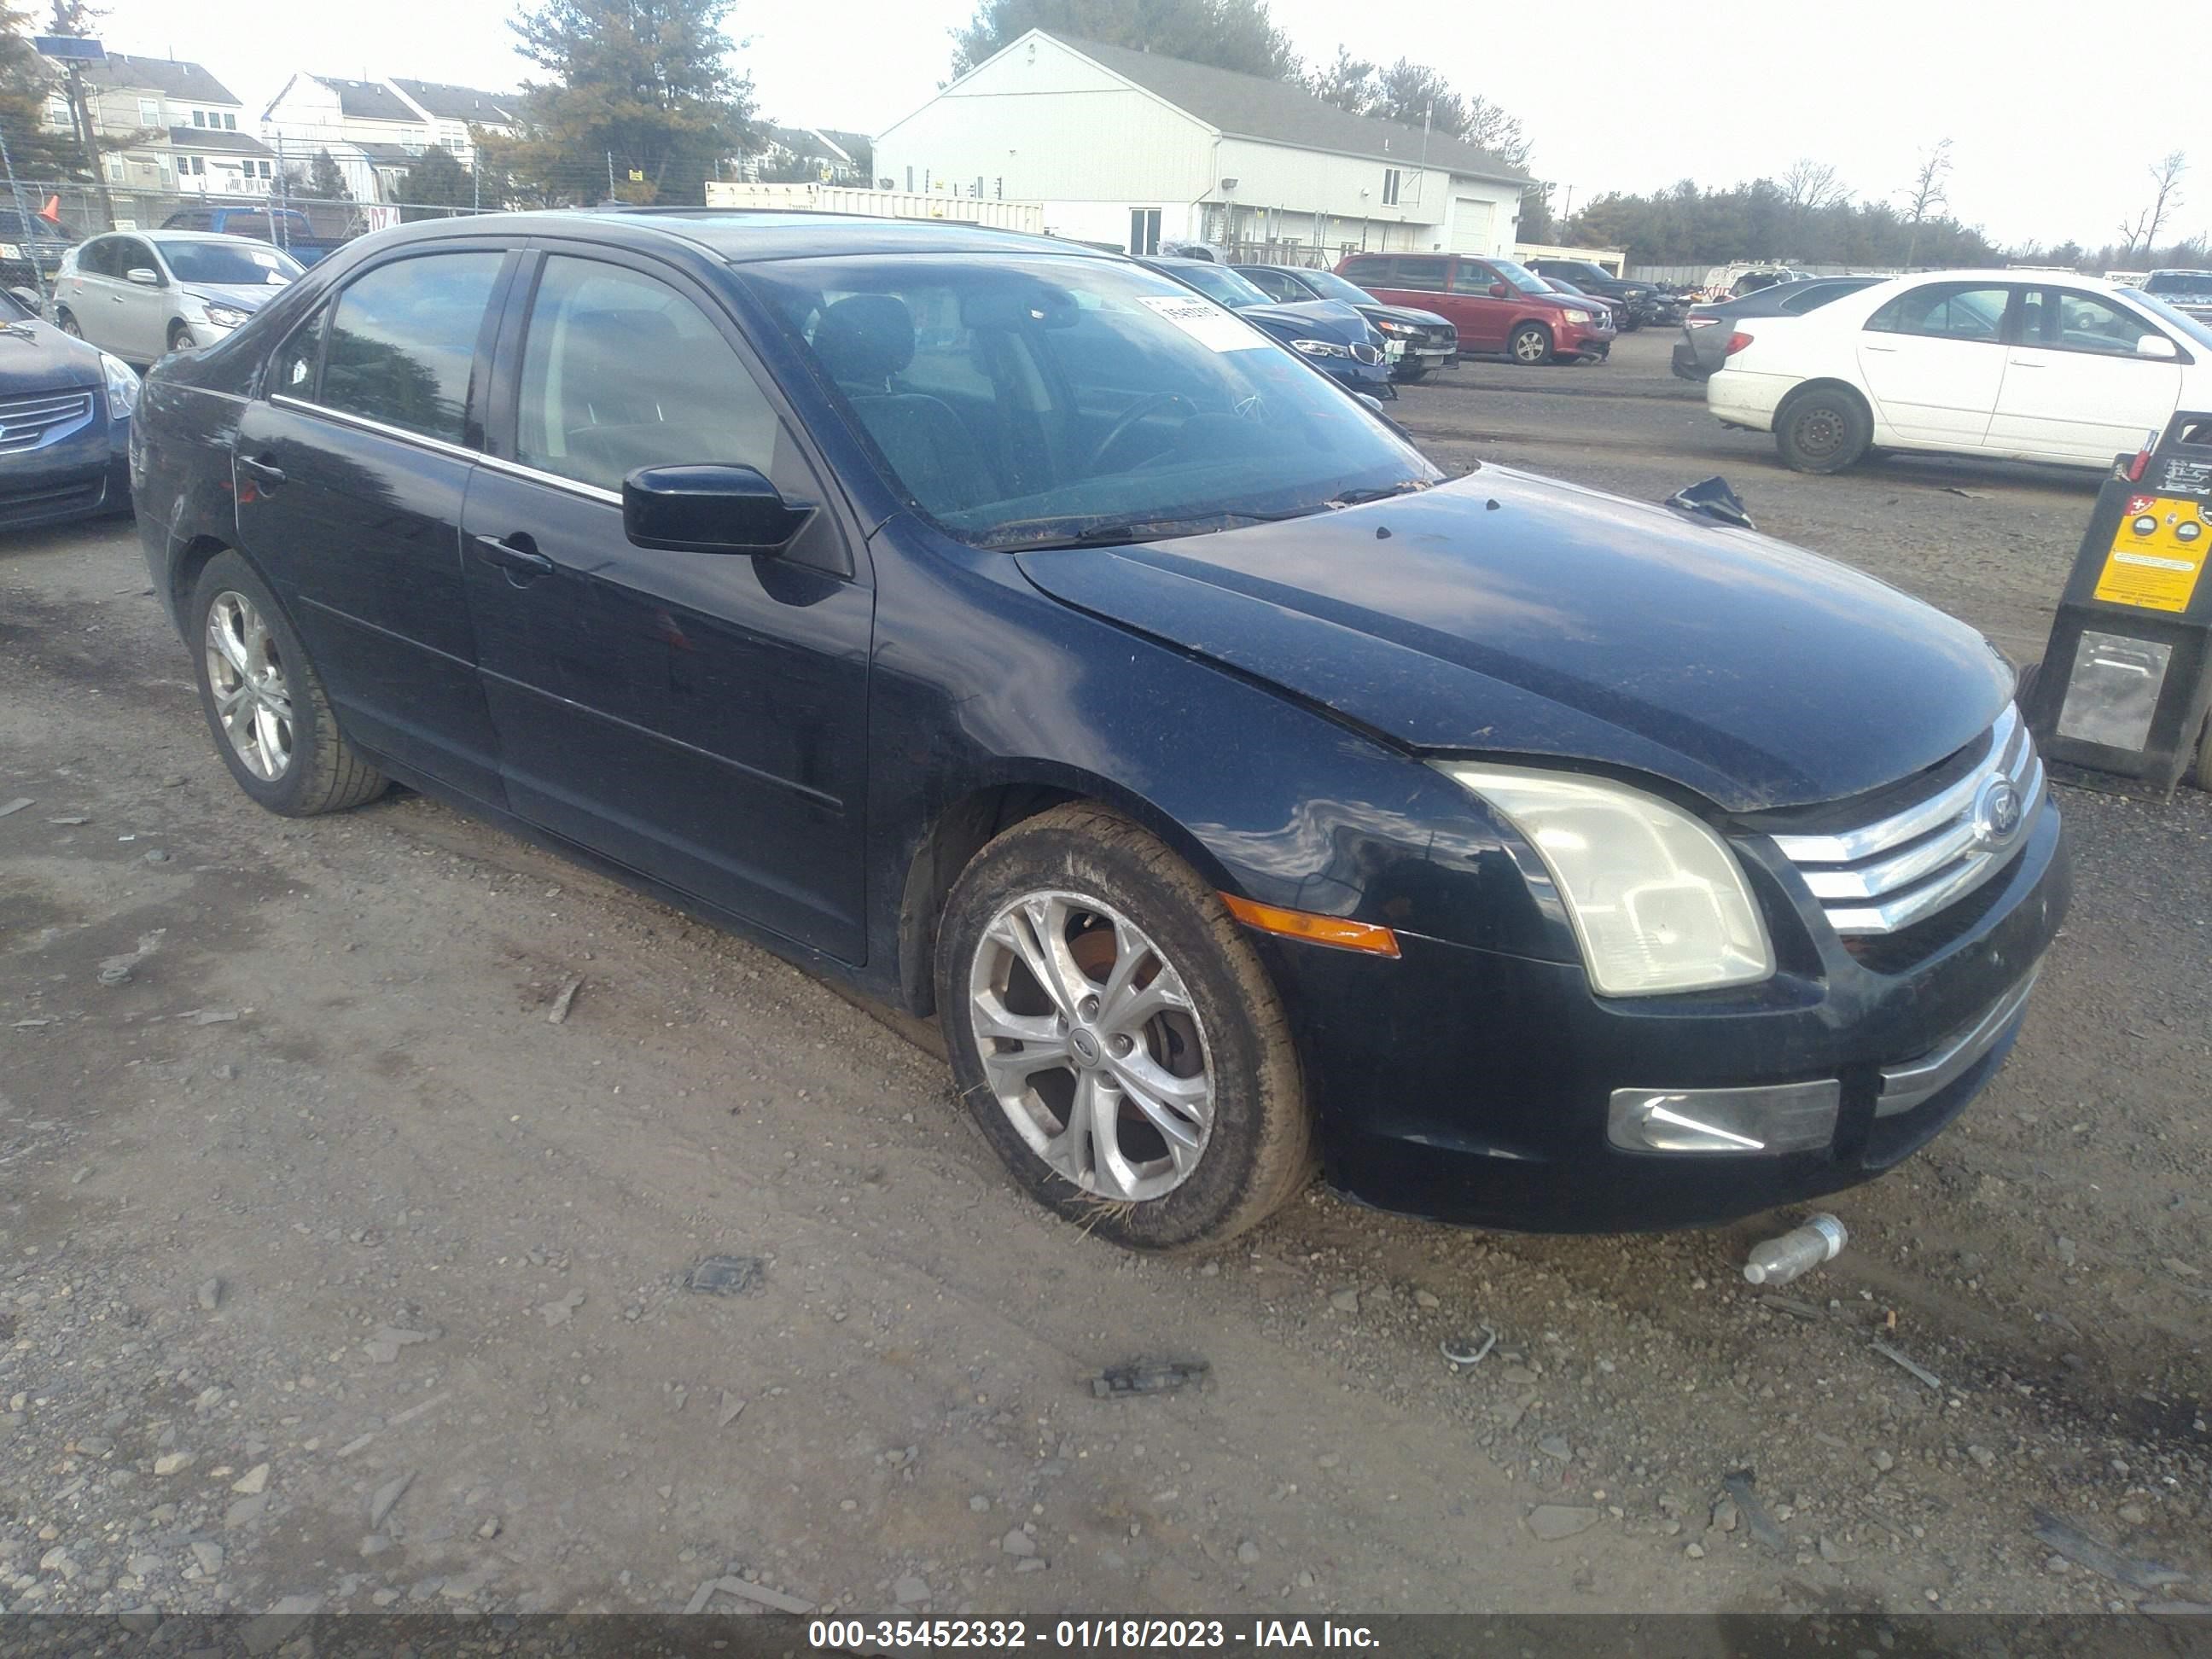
column 2076, row 386
column 142, row 314
column 1471, row 220
column 1933, row 360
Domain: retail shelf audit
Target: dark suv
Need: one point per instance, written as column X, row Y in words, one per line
column 1494, row 304
column 1636, row 303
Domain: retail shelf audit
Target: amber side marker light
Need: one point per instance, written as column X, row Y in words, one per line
column 1315, row 930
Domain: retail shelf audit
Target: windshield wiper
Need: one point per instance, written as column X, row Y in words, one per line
column 1379, row 492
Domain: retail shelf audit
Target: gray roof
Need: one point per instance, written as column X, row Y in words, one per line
column 383, row 154
column 209, row 141
column 810, row 142
column 370, row 101
column 175, row 76
column 452, row 103
column 1280, row 112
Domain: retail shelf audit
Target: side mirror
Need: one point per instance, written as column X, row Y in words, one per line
column 2156, row 345
column 708, row 509
column 1499, row 291
column 144, row 276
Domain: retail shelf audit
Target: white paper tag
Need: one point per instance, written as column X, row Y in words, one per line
column 1206, row 322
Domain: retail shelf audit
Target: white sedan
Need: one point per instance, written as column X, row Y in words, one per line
column 2017, row 365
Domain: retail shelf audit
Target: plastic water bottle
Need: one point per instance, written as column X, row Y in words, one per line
column 1778, row 1260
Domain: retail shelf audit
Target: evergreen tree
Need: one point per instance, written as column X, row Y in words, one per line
column 1231, row 34
column 435, row 180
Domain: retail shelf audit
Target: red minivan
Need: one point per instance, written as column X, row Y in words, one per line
column 1495, row 304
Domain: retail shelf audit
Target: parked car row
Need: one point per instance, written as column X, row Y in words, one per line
column 1493, row 305
column 2017, row 365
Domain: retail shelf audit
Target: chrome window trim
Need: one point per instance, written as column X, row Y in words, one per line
column 458, row 452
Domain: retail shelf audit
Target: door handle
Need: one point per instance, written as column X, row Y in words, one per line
column 262, row 472
column 2023, row 362
column 517, row 553
column 1870, row 346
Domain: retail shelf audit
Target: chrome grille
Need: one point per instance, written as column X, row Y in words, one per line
column 1885, row 876
column 41, row 417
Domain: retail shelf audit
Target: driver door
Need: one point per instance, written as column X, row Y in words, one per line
column 699, row 718
column 141, row 314
column 2076, row 386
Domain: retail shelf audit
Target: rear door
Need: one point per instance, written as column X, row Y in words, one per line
column 1421, row 280
column 350, row 472
column 2076, row 387
column 700, row 718
column 1933, row 360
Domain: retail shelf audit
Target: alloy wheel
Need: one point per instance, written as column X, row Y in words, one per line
column 246, row 675
column 1529, row 347
column 1091, row 1045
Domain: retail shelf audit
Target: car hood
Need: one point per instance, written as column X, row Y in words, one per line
column 1325, row 319
column 1404, row 314
column 243, row 296
column 1510, row 615
column 39, row 357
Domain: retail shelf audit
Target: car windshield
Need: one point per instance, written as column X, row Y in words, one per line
column 12, row 310
column 1330, row 286
column 228, row 264
column 1219, row 283
column 2177, row 284
column 1527, row 281
column 1047, row 401
column 2179, row 320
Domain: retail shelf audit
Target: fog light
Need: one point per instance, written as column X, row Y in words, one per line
column 1784, row 1117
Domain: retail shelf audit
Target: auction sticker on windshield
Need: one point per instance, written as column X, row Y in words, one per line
column 2157, row 555
column 1206, row 322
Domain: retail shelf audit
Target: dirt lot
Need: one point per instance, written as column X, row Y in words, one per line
column 333, row 1274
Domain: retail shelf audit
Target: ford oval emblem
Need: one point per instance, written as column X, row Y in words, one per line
column 1997, row 812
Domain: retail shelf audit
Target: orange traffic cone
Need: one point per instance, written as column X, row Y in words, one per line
column 53, row 210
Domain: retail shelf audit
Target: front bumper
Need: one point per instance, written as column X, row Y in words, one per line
column 84, row 474
column 1468, row 1086
column 1582, row 340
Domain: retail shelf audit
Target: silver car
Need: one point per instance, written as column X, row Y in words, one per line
column 141, row 295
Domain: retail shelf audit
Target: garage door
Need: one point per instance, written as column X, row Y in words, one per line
column 1471, row 217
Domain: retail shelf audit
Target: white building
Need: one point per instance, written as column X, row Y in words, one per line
column 181, row 124
column 375, row 129
column 1135, row 149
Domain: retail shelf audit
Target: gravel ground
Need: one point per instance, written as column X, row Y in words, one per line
column 334, row 1275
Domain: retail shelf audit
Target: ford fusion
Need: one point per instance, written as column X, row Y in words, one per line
column 1004, row 629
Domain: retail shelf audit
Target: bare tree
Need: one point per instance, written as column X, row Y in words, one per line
column 1810, row 185
column 2142, row 235
column 1926, row 194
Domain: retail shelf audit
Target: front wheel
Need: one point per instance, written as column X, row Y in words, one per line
column 2204, row 754
column 1531, row 344
column 180, row 338
column 65, row 319
column 1116, row 1036
column 265, row 701
column 1823, row 432
column 1413, row 374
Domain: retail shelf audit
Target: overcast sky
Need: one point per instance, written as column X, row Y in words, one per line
column 2052, row 136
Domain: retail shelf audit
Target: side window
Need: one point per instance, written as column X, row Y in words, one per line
column 255, row 225
column 2068, row 320
column 1472, row 277
column 1370, row 272
column 97, row 257
column 620, row 370
column 131, row 255
column 1945, row 311
column 1276, row 285
column 292, row 370
column 404, row 340
column 1422, row 275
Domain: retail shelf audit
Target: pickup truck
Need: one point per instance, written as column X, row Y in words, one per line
column 286, row 228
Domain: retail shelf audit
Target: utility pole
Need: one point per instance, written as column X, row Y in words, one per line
column 611, row 175
column 80, row 119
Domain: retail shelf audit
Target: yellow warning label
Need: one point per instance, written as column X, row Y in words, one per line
column 2157, row 555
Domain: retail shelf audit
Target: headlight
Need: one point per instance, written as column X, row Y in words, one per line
column 1659, row 903
column 121, row 386
column 1389, row 327
column 1580, row 317
column 1321, row 347
column 226, row 316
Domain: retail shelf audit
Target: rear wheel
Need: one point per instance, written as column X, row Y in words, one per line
column 1531, row 343
column 1822, row 431
column 264, row 703
column 1115, row 1035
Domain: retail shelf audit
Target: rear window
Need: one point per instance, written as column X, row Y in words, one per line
column 2168, row 283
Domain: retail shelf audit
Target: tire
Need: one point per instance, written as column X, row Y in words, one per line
column 65, row 321
column 290, row 754
column 1108, row 890
column 1412, row 376
column 1823, row 431
column 2203, row 776
column 180, row 338
column 1530, row 345
column 2023, row 690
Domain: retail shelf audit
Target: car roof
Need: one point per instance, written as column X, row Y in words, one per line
column 743, row 236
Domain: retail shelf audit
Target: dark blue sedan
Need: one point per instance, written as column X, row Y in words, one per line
column 998, row 628
column 1328, row 333
column 64, row 423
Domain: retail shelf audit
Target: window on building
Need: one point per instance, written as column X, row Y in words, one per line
column 1144, row 230
column 58, row 113
column 150, row 111
column 1389, row 187
column 404, row 340
column 229, row 122
column 199, row 117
